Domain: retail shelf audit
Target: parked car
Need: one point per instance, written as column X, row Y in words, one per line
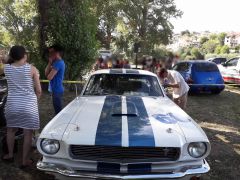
column 3, row 99
column 123, row 126
column 202, row 76
column 218, row 60
column 230, row 70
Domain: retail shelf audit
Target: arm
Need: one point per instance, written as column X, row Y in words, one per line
column 173, row 85
column 48, row 69
column 35, row 75
column 1, row 69
column 51, row 74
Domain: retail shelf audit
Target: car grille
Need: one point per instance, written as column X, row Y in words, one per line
column 124, row 154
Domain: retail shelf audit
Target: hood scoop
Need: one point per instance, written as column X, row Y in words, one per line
column 131, row 111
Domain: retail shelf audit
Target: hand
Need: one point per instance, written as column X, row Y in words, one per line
column 50, row 60
column 166, row 85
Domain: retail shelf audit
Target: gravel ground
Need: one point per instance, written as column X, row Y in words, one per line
column 218, row 115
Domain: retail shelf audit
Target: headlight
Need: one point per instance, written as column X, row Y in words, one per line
column 50, row 146
column 197, row 149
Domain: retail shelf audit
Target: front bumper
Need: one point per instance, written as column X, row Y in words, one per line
column 60, row 169
column 206, row 87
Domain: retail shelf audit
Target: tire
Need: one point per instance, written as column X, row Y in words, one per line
column 216, row 92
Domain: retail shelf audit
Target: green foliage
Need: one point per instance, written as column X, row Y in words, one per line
column 225, row 49
column 186, row 32
column 149, row 22
column 213, row 36
column 203, row 40
column 19, row 25
column 196, row 54
column 237, row 48
column 18, row 20
column 72, row 24
column 218, row 49
column 210, row 46
column 221, row 38
column 107, row 13
column 161, row 53
column 189, row 57
column 228, row 56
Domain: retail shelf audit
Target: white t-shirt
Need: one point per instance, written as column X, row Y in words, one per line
column 175, row 77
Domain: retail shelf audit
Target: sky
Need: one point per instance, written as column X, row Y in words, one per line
column 208, row 15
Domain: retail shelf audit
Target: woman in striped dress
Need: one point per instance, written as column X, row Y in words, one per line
column 21, row 109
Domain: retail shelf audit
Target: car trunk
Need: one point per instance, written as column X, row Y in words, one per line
column 207, row 74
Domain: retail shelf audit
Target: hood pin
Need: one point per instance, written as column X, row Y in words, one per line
column 77, row 128
column 169, row 130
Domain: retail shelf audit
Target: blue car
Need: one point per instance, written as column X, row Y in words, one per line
column 202, row 76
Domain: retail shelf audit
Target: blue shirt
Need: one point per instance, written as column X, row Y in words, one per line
column 57, row 81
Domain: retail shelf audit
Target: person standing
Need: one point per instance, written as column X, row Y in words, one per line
column 21, row 108
column 173, row 79
column 55, row 74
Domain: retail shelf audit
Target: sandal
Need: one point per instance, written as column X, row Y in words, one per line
column 7, row 160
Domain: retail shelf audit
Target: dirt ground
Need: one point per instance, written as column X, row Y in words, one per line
column 218, row 115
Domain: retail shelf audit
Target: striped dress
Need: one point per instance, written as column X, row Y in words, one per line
column 21, row 109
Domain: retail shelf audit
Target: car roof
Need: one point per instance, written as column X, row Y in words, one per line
column 196, row 61
column 124, row 71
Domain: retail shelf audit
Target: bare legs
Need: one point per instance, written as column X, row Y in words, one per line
column 181, row 101
column 27, row 144
column 10, row 142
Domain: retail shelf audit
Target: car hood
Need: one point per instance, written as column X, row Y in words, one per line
column 124, row 121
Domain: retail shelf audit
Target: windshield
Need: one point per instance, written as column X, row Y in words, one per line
column 182, row 67
column 206, row 67
column 123, row 84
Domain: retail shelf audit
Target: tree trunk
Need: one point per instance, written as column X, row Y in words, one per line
column 43, row 8
column 143, row 28
column 109, row 37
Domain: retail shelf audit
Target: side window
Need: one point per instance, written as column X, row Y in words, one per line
column 182, row 67
column 232, row 62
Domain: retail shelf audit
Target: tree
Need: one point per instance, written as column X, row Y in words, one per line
column 210, row 46
column 196, row 53
column 186, row 32
column 213, row 36
column 221, row 38
column 149, row 21
column 107, row 14
column 218, row 49
column 18, row 19
column 72, row 24
column 225, row 49
column 203, row 40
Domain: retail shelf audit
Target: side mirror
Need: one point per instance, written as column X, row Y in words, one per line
column 223, row 64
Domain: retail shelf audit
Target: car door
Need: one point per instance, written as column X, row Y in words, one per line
column 231, row 71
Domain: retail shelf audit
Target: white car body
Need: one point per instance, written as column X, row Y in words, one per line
column 94, row 144
column 231, row 70
column 105, row 53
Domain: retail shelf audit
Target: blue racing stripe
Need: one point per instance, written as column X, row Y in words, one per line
column 109, row 130
column 139, row 127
